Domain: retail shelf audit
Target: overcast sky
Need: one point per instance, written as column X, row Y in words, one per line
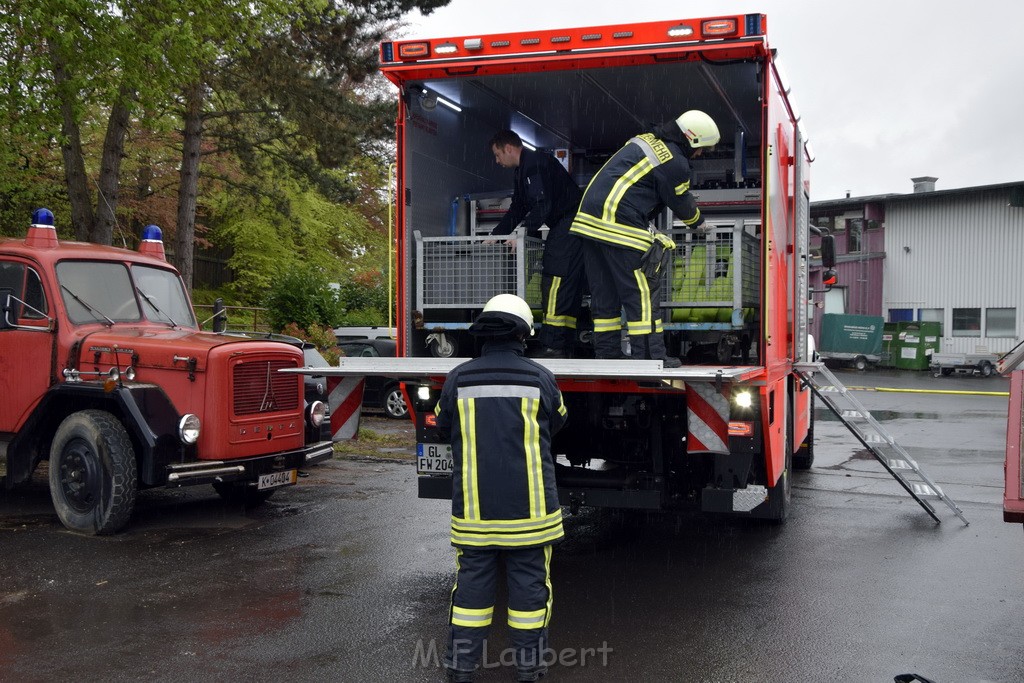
column 888, row 90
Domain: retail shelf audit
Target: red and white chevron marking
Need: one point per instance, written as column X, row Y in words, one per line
column 345, row 399
column 708, row 423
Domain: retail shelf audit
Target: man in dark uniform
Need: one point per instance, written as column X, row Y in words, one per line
column 500, row 412
column 545, row 194
column 650, row 172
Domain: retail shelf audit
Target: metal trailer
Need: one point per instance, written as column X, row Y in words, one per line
column 981, row 362
column 853, row 339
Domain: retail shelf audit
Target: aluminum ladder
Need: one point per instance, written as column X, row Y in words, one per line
column 894, row 458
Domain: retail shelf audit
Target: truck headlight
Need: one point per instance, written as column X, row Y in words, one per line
column 188, row 429
column 743, row 399
column 316, row 413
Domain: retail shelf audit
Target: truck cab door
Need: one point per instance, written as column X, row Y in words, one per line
column 26, row 342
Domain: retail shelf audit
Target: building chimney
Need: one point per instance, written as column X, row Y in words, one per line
column 924, row 184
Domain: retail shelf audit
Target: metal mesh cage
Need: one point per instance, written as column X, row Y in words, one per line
column 464, row 272
column 708, row 278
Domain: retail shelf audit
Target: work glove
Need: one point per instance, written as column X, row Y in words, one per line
column 655, row 260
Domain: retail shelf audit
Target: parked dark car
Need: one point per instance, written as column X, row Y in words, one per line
column 382, row 393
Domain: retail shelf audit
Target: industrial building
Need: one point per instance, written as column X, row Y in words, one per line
column 949, row 256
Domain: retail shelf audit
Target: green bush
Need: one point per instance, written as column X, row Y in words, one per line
column 303, row 296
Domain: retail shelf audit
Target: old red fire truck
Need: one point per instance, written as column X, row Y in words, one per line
column 105, row 373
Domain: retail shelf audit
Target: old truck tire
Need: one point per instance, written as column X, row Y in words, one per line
column 93, row 475
column 241, row 493
column 860, row 363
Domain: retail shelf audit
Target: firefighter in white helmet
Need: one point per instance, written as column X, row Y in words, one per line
column 500, row 412
column 648, row 173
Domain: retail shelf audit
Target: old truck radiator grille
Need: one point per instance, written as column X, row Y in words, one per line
column 260, row 388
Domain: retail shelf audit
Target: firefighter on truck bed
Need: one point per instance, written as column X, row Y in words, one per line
column 500, row 412
column 650, row 172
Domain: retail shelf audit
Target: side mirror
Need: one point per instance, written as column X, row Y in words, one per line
column 220, row 317
column 828, row 252
column 6, row 297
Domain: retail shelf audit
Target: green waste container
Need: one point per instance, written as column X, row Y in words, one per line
column 915, row 343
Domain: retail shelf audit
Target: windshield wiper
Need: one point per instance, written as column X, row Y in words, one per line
column 96, row 313
column 155, row 307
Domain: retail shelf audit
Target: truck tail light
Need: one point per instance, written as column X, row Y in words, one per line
column 741, row 429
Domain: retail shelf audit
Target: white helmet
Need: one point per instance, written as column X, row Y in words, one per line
column 504, row 314
column 699, row 128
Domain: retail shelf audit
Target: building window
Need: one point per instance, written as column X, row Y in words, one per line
column 1001, row 322
column 966, row 322
column 930, row 315
column 854, row 234
column 901, row 315
column 828, row 222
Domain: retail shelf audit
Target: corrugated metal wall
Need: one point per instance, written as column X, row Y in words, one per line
column 956, row 251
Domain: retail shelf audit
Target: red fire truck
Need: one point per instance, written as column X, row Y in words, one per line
column 720, row 433
column 1013, row 491
column 105, row 373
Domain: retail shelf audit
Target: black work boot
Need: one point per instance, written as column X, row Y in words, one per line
column 548, row 352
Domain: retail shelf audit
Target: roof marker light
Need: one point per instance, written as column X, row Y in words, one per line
column 500, row 43
column 413, row 50
column 530, row 41
column 561, row 39
column 680, row 31
column 622, row 34
column 446, row 49
column 591, row 36
column 719, row 28
column 472, row 43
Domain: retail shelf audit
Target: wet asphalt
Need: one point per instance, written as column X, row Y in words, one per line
column 346, row 576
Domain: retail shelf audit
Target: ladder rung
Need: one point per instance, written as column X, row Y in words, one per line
column 899, row 464
column 875, row 438
column 855, row 413
column 926, row 491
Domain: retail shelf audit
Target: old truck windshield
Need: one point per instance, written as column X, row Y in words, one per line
column 101, row 291
column 97, row 291
column 164, row 298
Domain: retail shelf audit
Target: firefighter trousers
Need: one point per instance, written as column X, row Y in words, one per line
column 562, row 284
column 528, row 571
column 617, row 285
